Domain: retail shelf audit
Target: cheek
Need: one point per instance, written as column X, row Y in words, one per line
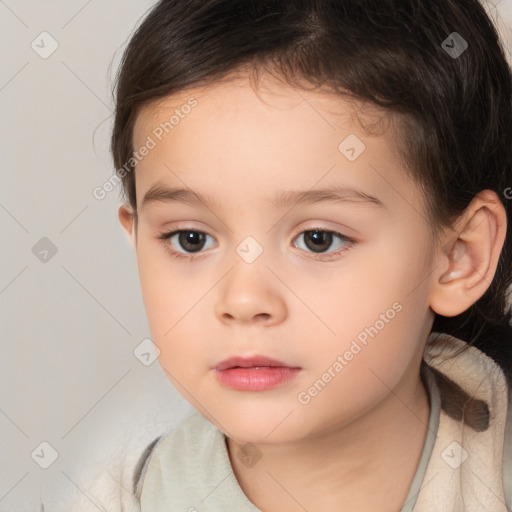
column 368, row 358
column 380, row 278
column 173, row 304
column 162, row 290
column 378, row 315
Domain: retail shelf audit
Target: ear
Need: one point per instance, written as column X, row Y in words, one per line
column 469, row 255
column 128, row 219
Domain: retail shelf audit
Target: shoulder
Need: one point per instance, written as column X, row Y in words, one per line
column 140, row 467
column 476, row 403
column 193, row 428
column 186, row 465
column 465, row 369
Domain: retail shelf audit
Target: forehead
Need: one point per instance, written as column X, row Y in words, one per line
column 229, row 136
column 239, row 95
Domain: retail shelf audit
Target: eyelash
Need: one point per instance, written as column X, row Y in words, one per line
column 165, row 236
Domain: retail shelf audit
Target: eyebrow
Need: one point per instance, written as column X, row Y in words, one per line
column 159, row 193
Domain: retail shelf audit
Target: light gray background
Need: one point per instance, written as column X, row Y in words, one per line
column 70, row 324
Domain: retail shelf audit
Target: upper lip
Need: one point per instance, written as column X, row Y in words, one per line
column 247, row 362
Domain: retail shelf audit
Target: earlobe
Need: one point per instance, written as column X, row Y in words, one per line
column 127, row 220
column 469, row 258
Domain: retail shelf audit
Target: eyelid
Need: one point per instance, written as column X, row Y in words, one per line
column 186, row 226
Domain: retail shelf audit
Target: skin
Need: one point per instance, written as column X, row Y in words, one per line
column 366, row 428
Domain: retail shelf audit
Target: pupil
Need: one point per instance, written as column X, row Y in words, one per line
column 321, row 240
column 191, row 240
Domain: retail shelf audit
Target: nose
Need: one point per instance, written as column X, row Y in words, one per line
column 248, row 297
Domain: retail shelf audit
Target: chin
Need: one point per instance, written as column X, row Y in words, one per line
column 258, row 428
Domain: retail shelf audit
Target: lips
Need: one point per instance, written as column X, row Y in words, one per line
column 251, row 362
column 255, row 373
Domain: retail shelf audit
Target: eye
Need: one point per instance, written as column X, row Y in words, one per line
column 318, row 240
column 191, row 240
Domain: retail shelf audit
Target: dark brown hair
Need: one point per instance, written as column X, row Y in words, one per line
column 454, row 133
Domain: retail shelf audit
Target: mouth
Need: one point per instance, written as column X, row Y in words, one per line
column 251, row 362
column 256, row 373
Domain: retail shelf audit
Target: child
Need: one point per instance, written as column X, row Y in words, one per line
column 318, row 194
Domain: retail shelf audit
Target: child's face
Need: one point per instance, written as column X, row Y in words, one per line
column 295, row 301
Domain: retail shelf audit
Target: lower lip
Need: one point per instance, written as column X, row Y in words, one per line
column 251, row 379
